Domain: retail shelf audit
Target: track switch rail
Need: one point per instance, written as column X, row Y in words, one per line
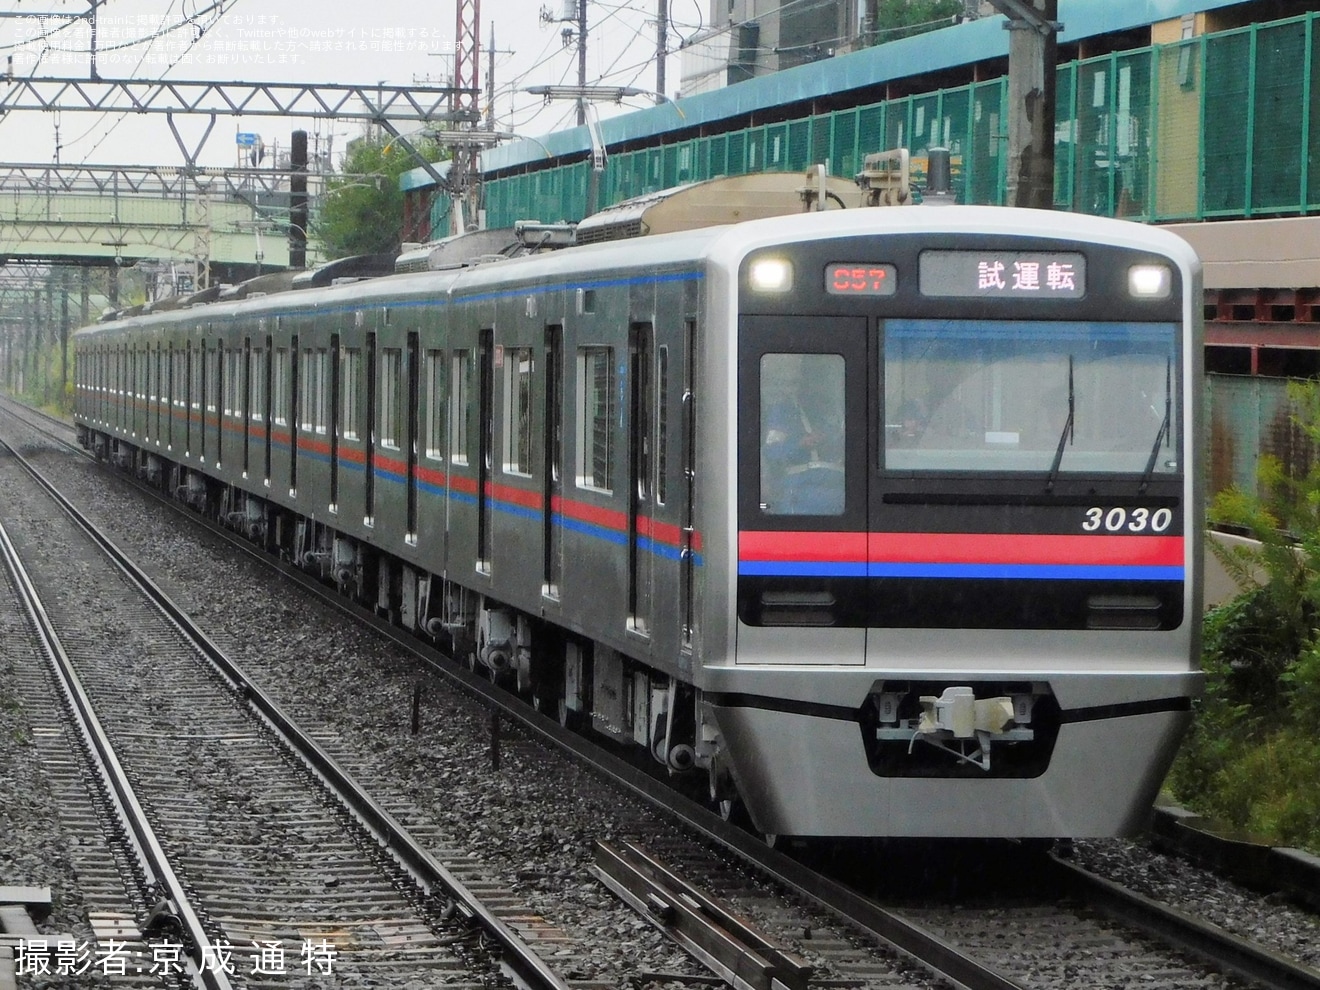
column 726, row 944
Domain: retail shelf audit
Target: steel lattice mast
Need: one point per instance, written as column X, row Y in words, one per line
column 464, row 168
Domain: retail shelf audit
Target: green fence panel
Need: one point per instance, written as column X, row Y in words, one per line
column 822, row 142
column 956, row 118
column 870, row 136
column 1280, row 93
column 1093, row 176
column 577, row 190
column 1065, row 131
column 776, row 148
column 1227, row 122
column 736, row 162
column 754, row 150
column 898, row 124
column 844, row 157
column 1311, row 172
column 985, row 161
column 700, row 159
column 669, row 166
column 492, row 199
column 717, row 163
column 1133, row 124
column 798, row 154
column 1178, row 72
column 637, row 174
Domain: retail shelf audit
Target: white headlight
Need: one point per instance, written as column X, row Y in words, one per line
column 1150, row 281
column 771, row 275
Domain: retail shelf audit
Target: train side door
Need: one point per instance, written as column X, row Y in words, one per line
column 641, row 404
column 336, row 404
column 411, row 420
column 369, row 433
column 485, row 441
column 552, row 519
column 245, row 405
column 295, row 408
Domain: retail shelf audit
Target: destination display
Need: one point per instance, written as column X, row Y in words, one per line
column 859, row 278
column 978, row 274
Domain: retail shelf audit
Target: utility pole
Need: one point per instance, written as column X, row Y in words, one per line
column 1032, row 54
column 661, row 48
column 298, row 201
column 490, row 80
column 582, row 59
column 91, row 19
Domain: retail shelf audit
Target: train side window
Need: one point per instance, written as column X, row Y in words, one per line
column 313, row 416
column 279, row 386
column 435, row 405
column 460, row 397
column 211, row 364
column 519, row 370
column 195, row 379
column 662, row 427
column 256, row 383
column 595, row 418
column 391, row 399
column 308, row 386
column 350, row 375
column 234, row 382
column 803, row 471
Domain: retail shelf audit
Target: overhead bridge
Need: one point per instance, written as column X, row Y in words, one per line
column 104, row 215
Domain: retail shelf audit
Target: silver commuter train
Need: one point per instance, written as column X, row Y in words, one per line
column 887, row 521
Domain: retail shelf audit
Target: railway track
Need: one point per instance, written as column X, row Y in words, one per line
column 201, row 833
column 849, row 940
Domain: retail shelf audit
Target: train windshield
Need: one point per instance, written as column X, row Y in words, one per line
column 1053, row 397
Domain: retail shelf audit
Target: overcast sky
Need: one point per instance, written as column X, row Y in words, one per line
column 393, row 41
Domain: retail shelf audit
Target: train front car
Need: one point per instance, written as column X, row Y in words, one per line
column 964, row 517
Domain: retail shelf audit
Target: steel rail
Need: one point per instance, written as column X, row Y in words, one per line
column 146, row 847
column 426, row 871
column 1226, row 950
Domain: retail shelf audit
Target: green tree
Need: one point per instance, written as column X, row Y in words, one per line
column 363, row 212
column 894, row 19
column 1255, row 741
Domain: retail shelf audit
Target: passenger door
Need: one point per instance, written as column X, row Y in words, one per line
column 551, row 480
column 641, row 444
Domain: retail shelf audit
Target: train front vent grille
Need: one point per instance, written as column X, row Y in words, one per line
column 797, row 608
column 1122, row 612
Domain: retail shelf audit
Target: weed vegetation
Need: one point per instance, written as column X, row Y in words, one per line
column 1251, row 757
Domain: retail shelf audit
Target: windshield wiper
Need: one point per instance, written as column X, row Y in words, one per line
column 1067, row 433
column 1164, row 430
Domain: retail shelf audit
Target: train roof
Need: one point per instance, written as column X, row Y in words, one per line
column 681, row 250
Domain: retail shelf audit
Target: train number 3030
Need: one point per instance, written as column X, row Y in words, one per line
column 1119, row 519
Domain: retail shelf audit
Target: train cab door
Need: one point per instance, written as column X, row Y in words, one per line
column 641, row 403
column 803, row 478
column 552, row 479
